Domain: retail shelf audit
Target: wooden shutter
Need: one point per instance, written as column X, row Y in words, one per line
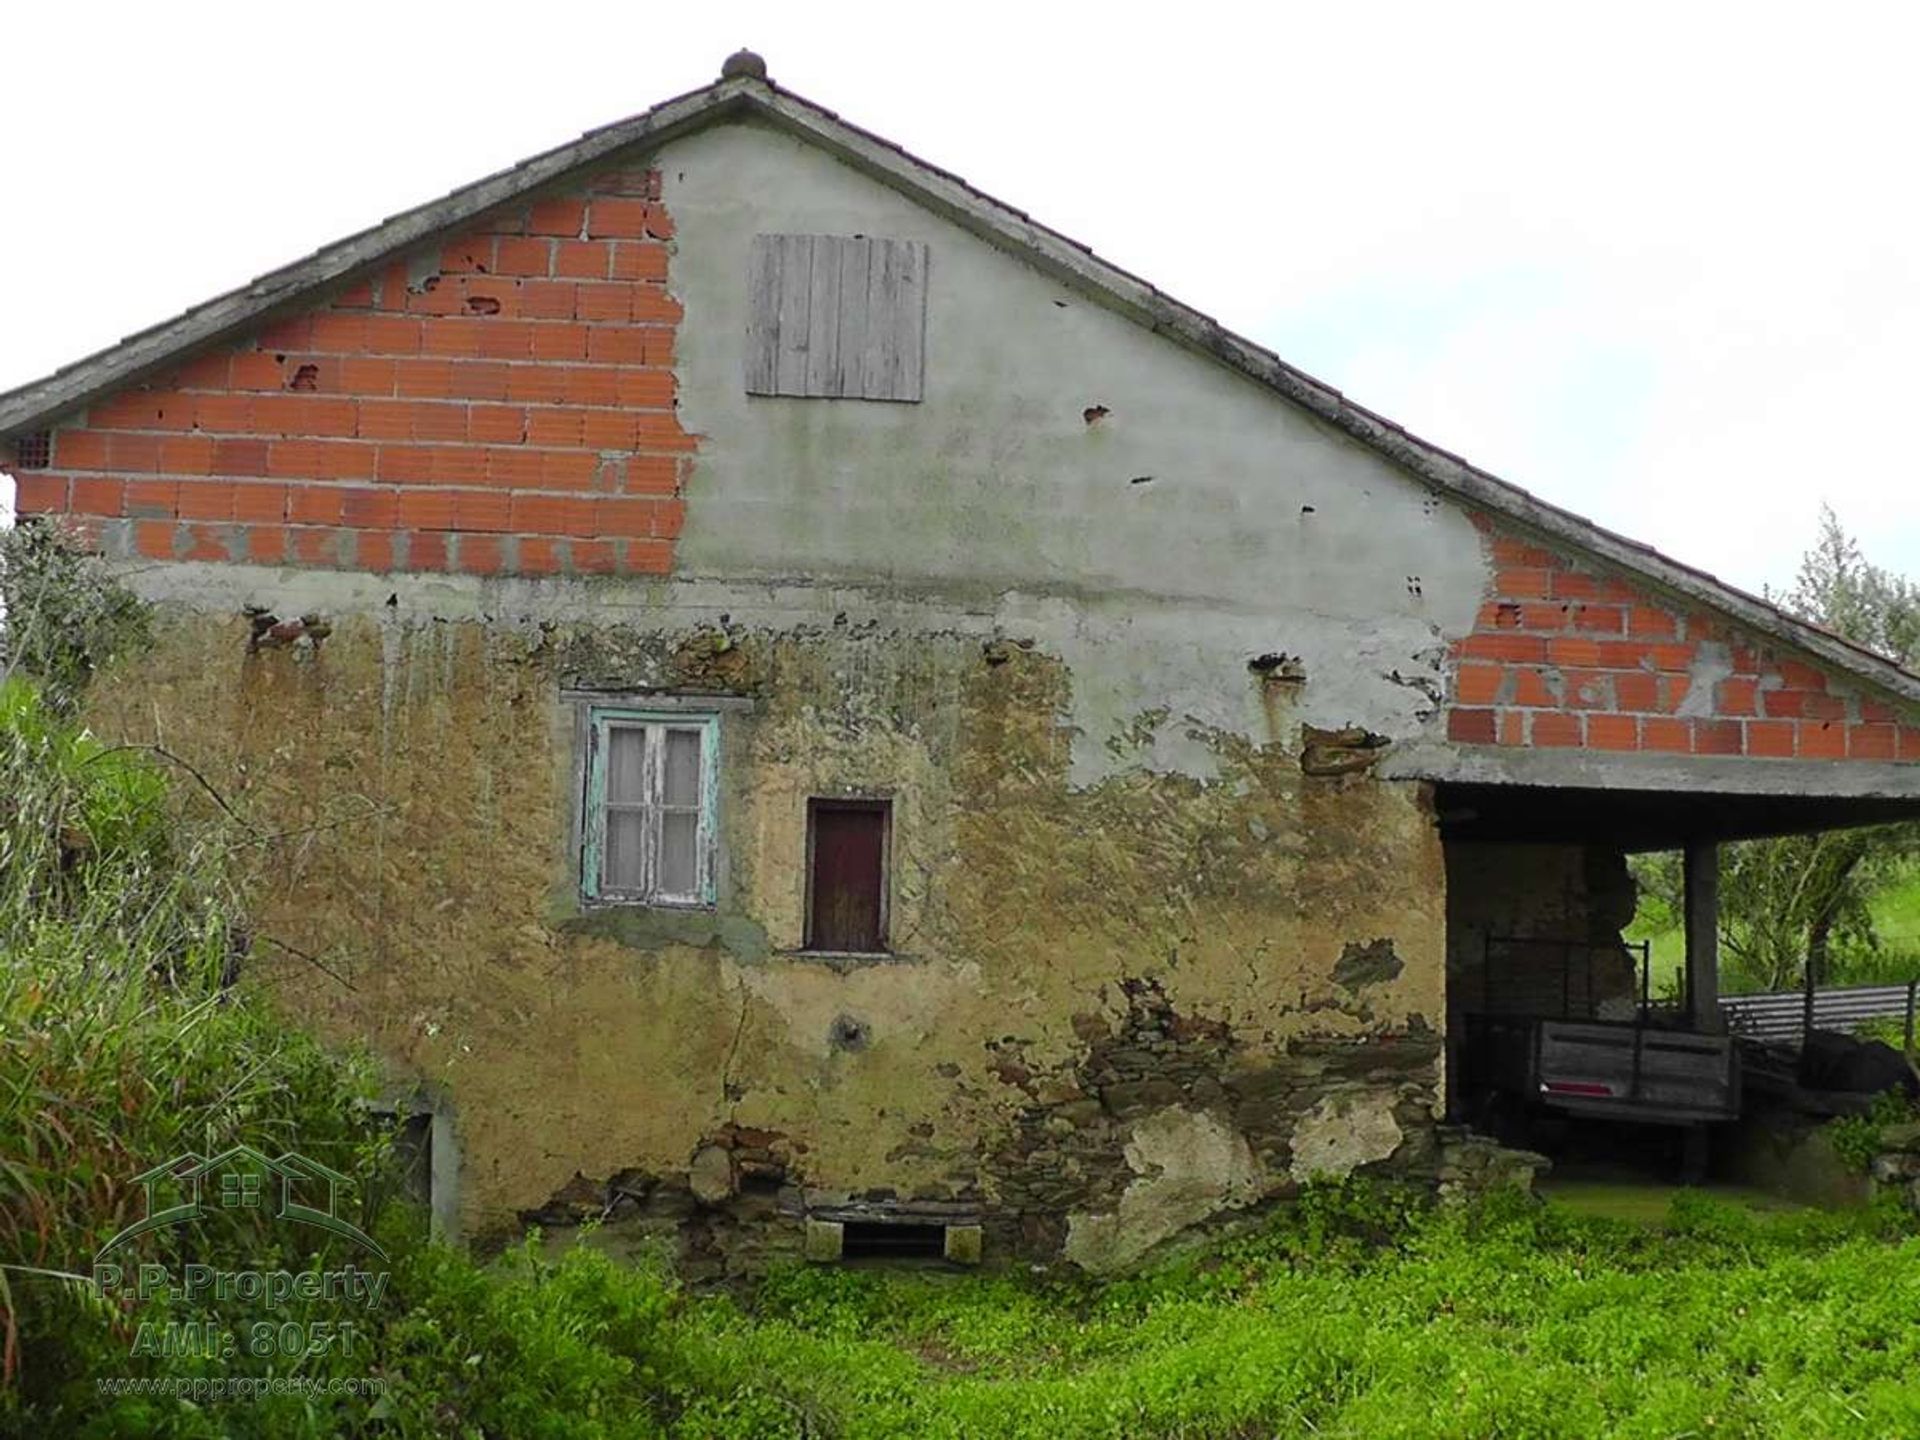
column 849, row 849
column 624, row 857
column 837, row 317
column 677, row 867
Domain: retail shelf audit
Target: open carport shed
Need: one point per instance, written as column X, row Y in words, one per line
column 1536, row 842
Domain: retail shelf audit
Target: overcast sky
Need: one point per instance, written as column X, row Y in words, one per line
column 1657, row 264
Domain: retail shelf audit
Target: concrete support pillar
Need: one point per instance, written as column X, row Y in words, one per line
column 1703, row 935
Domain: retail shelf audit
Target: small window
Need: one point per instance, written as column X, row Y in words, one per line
column 649, row 832
column 847, row 871
column 33, row 450
column 837, row 317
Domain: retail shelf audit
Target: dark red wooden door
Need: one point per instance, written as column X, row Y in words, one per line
column 849, row 875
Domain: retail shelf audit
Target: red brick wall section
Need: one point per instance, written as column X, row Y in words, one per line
column 1563, row 655
column 502, row 404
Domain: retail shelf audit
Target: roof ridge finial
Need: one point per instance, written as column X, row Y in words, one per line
column 743, row 64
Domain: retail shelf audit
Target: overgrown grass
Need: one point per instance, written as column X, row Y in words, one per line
column 1508, row 1320
column 1896, row 916
column 125, row 1044
column 1349, row 1316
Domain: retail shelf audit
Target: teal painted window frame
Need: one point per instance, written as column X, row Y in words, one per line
column 600, row 720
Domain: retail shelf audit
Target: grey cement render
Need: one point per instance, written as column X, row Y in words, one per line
column 1200, row 522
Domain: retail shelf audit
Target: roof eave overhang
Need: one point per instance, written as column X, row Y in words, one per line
column 1572, row 768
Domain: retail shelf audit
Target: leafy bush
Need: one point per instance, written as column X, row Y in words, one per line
column 1857, row 1138
column 65, row 615
column 125, row 1043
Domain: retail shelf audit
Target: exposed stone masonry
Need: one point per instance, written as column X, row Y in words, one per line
column 1068, row 1151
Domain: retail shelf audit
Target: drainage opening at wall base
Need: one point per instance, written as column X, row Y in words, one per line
column 422, row 1161
column 882, row 1240
column 902, row 1240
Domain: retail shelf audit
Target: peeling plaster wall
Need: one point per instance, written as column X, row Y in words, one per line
column 1259, row 530
column 1089, row 978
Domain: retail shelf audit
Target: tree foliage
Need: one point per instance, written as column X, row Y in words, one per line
column 1840, row 590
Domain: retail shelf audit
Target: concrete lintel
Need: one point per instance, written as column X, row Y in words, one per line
column 1697, row 775
column 678, row 699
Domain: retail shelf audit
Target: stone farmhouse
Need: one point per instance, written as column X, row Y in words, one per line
column 805, row 708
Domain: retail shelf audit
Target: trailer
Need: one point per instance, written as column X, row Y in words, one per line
column 1555, row 1031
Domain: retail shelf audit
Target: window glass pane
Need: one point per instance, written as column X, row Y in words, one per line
column 679, row 834
column 626, row 753
column 620, row 869
column 682, row 781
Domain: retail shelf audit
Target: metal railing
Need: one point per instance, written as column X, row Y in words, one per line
column 1785, row 1014
column 1541, row 975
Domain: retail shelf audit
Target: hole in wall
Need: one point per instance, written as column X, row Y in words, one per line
column 307, row 377
column 885, row 1240
column 847, row 1033
column 34, row 450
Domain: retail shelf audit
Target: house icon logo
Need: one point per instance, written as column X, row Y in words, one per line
column 243, row 1178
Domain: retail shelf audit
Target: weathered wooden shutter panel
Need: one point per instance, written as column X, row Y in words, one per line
column 855, row 255
column 763, row 314
column 837, row 316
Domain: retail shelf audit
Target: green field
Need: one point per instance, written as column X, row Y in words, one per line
column 1896, row 919
column 1896, row 915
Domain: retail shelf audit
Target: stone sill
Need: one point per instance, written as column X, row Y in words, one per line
column 847, row 959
